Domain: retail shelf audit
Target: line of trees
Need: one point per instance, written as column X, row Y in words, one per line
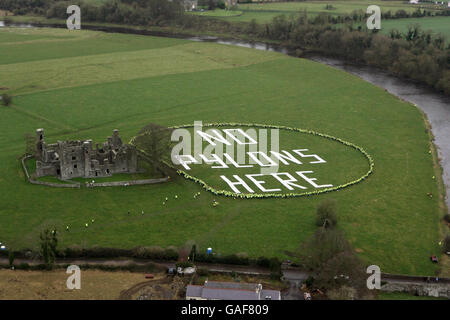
column 20, row 7
column 414, row 54
column 131, row 12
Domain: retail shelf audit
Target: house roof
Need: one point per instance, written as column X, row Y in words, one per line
column 230, row 291
column 194, row 291
column 229, row 294
column 231, row 285
column 273, row 294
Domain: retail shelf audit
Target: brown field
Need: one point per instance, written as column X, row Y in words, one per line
column 51, row 285
column 105, row 285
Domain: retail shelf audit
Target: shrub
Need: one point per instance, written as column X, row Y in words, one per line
column 171, row 253
column 202, row 272
column 309, row 281
column 326, row 214
column 275, row 264
column 447, row 243
column 184, row 264
column 11, row 258
column 447, row 218
column 23, row 266
column 98, row 252
column 6, row 99
column 155, row 252
column 203, row 257
column 72, row 252
column 263, row 262
column 234, row 259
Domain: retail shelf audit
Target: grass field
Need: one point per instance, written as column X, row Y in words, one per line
column 83, row 84
column 264, row 12
column 217, row 13
column 436, row 24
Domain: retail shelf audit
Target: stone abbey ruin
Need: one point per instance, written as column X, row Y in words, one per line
column 74, row 159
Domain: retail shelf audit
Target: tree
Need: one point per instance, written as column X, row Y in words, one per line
column 212, row 4
column 48, row 246
column 326, row 214
column 155, row 141
column 333, row 262
column 30, row 144
column 11, row 258
column 447, row 244
column 275, row 269
column 193, row 253
column 6, row 99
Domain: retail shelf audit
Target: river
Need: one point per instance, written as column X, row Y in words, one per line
column 435, row 105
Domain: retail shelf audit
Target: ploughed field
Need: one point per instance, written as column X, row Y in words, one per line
column 83, row 84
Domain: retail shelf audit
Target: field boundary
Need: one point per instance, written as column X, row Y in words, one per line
column 126, row 183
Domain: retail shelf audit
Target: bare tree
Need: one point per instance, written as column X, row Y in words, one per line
column 154, row 141
column 333, row 262
column 30, row 144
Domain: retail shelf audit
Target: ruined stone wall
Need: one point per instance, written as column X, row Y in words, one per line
column 43, row 170
column 441, row 290
column 127, row 183
column 49, row 184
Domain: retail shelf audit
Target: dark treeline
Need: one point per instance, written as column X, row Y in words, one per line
column 20, row 7
column 136, row 12
column 132, row 12
column 414, row 54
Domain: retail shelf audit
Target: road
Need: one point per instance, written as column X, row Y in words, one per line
column 295, row 277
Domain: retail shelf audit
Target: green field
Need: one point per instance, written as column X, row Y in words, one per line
column 264, row 12
column 83, row 84
column 436, row 24
column 217, row 13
